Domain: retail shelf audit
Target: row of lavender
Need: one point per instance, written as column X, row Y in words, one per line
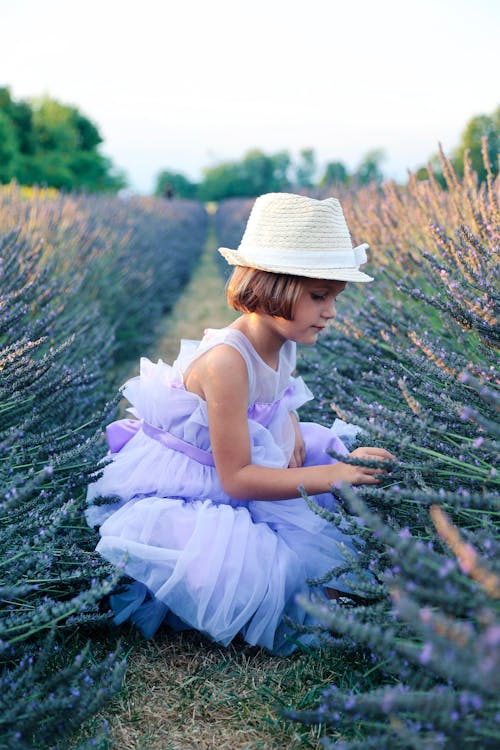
column 83, row 280
column 411, row 360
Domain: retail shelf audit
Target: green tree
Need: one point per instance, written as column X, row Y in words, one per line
column 335, row 173
column 21, row 116
column 479, row 127
column 281, row 168
column 221, row 181
column 88, row 134
column 49, row 143
column 9, row 151
column 255, row 174
column 54, row 126
column 174, row 184
column 305, row 168
column 369, row 169
column 46, row 168
column 92, row 171
column 261, row 173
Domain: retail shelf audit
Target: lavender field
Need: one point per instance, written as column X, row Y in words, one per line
column 411, row 359
column 83, row 282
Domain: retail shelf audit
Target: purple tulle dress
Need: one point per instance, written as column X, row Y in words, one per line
column 199, row 558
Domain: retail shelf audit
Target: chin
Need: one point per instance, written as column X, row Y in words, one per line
column 308, row 340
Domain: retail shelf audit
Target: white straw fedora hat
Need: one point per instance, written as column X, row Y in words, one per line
column 302, row 236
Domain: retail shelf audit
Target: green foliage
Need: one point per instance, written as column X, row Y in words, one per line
column 53, row 144
column 256, row 173
column 485, row 127
column 478, row 148
column 174, row 185
column 82, row 277
column 369, row 170
column 20, row 116
column 8, row 148
column 335, row 173
column 305, row 169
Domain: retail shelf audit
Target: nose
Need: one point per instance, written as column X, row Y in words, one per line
column 328, row 311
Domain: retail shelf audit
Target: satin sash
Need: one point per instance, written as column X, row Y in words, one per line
column 120, row 432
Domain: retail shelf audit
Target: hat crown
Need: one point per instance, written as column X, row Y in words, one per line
column 297, row 222
column 295, row 234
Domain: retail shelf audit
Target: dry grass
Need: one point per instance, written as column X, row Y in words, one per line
column 183, row 692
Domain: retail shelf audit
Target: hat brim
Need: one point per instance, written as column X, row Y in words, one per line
column 236, row 258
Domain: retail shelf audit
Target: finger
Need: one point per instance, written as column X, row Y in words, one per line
column 371, row 474
column 368, row 479
column 379, row 453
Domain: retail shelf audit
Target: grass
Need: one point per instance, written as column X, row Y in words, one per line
column 183, row 692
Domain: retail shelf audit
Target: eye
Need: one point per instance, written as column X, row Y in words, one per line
column 317, row 297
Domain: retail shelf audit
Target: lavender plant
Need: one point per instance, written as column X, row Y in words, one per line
column 411, row 360
column 58, row 305
column 435, row 647
column 416, row 371
column 125, row 250
column 230, row 219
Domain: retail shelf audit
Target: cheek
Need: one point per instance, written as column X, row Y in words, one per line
column 304, row 309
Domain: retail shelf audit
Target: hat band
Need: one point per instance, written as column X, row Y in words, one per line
column 294, row 258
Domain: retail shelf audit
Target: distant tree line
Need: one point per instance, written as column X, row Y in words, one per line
column 258, row 173
column 44, row 142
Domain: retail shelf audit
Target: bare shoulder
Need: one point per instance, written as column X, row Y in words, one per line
column 221, row 368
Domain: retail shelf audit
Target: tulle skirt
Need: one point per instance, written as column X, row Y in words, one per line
column 227, row 567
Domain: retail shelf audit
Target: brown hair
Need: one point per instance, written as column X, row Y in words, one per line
column 251, row 290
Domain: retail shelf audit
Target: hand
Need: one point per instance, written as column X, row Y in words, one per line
column 299, row 451
column 357, row 475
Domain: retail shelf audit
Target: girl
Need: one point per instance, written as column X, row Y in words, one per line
column 209, row 522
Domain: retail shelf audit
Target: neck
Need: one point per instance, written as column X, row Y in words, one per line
column 263, row 336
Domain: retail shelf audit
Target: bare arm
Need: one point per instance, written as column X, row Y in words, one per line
column 221, row 378
column 299, row 450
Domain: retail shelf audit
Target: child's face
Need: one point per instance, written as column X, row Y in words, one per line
column 314, row 310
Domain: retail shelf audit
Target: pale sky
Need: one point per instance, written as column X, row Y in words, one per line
column 186, row 84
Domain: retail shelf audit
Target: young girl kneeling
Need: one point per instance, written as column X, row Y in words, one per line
column 210, row 524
